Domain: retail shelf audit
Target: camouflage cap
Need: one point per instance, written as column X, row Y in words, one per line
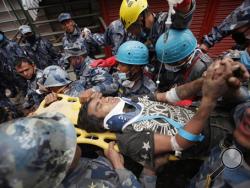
column 55, row 76
column 64, row 16
column 36, row 151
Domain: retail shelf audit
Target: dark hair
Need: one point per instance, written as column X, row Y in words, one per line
column 20, row 60
column 87, row 122
column 8, row 113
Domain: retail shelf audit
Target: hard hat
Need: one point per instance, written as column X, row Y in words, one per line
column 130, row 11
column 175, row 45
column 55, row 76
column 133, row 53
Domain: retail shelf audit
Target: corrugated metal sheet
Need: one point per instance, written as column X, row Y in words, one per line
column 199, row 17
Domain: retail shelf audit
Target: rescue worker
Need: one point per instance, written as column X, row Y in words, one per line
column 9, row 52
column 229, row 162
column 56, row 81
column 95, row 79
column 38, row 49
column 73, row 34
column 180, row 59
column 237, row 24
column 33, row 76
column 132, row 56
column 41, row 151
column 138, row 23
column 145, row 128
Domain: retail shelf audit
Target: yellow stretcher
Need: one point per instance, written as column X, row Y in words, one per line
column 70, row 106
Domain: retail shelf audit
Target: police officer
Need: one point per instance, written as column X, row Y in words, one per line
column 97, row 79
column 236, row 23
column 56, row 81
column 229, row 162
column 73, row 34
column 38, row 49
column 33, row 76
column 44, row 153
column 138, row 23
column 132, row 56
column 180, row 61
column 9, row 52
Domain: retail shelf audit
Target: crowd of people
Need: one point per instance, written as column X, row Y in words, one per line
column 160, row 94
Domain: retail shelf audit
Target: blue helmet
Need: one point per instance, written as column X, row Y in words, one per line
column 175, row 45
column 64, row 16
column 36, row 151
column 133, row 53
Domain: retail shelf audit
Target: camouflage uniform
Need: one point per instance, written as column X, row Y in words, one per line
column 238, row 178
column 190, row 72
column 116, row 33
column 144, row 86
column 9, row 51
column 228, row 25
column 33, row 99
column 55, row 76
column 97, row 78
column 75, row 88
column 91, row 44
column 99, row 173
column 41, row 52
column 34, row 151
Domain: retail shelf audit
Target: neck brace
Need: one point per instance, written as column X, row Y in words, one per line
column 117, row 120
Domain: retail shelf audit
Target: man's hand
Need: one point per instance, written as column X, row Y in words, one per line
column 86, row 95
column 204, row 48
column 115, row 158
column 161, row 97
column 240, row 73
column 86, row 32
column 217, row 79
column 50, row 98
column 41, row 88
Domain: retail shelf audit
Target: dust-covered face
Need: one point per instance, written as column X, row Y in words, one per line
column 100, row 106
